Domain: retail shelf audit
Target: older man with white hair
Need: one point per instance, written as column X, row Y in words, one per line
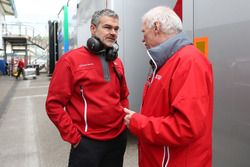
column 174, row 126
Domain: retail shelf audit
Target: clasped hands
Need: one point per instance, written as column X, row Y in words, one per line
column 128, row 116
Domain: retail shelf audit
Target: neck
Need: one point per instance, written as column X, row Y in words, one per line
column 162, row 37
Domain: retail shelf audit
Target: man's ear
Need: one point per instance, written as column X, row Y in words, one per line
column 157, row 27
column 93, row 28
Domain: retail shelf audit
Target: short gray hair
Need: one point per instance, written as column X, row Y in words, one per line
column 105, row 12
column 170, row 22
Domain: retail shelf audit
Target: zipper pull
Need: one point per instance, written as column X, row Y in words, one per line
column 81, row 90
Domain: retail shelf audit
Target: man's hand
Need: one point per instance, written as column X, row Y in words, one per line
column 76, row 145
column 128, row 116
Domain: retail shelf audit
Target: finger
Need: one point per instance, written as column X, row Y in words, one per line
column 126, row 120
column 127, row 111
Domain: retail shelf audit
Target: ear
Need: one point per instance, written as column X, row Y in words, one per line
column 157, row 27
column 93, row 29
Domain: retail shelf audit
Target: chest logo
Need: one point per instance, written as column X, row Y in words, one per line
column 84, row 65
column 158, row 77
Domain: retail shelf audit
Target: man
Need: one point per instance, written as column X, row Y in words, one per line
column 87, row 94
column 174, row 127
column 20, row 67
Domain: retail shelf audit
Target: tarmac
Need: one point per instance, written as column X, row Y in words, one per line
column 27, row 137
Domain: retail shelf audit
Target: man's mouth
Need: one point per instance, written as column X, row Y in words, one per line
column 111, row 39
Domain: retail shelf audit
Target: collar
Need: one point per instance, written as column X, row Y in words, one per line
column 161, row 53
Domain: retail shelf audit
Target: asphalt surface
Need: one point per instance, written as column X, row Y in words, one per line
column 27, row 136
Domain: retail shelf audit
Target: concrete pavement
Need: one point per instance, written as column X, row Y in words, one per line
column 27, row 137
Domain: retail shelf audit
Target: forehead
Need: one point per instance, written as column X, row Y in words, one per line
column 109, row 20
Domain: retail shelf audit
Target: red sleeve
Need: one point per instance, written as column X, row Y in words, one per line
column 124, row 88
column 59, row 93
column 190, row 91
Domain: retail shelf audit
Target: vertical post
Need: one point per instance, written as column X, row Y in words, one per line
column 5, row 54
column 19, row 28
column 56, row 40
column 52, row 46
column 26, row 33
column 33, row 32
column 3, row 28
column 66, row 31
column 26, row 61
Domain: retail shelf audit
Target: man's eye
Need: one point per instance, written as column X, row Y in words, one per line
column 108, row 28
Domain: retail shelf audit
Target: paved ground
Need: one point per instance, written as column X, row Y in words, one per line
column 27, row 136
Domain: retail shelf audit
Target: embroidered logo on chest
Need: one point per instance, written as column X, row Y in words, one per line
column 158, row 77
column 84, row 65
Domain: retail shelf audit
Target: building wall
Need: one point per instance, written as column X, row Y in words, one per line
column 227, row 26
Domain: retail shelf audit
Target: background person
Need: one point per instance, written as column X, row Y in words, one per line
column 89, row 83
column 174, row 127
column 20, row 67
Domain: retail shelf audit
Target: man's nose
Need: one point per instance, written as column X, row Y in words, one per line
column 113, row 31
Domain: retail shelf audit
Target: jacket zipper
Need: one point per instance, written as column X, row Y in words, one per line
column 164, row 161
column 85, row 109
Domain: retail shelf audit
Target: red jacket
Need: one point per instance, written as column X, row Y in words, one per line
column 93, row 106
column 20, row 64
column 175, row 124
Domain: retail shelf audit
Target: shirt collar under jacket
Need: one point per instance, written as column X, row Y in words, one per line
column 161, row 53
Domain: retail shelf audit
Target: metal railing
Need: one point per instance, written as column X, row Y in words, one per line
column 28, row 31
column 35, row 56
column 17, row 29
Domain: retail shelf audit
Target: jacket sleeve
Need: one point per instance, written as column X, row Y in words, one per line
column 190, row 116
column 59, row 93
column 124, row 90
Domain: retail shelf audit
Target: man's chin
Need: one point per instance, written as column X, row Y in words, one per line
column 109, row 44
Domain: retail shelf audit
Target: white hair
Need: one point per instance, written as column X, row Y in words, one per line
column 168, row 19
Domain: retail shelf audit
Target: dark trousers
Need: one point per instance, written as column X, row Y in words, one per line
column 94, row 153
column 19, row 71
